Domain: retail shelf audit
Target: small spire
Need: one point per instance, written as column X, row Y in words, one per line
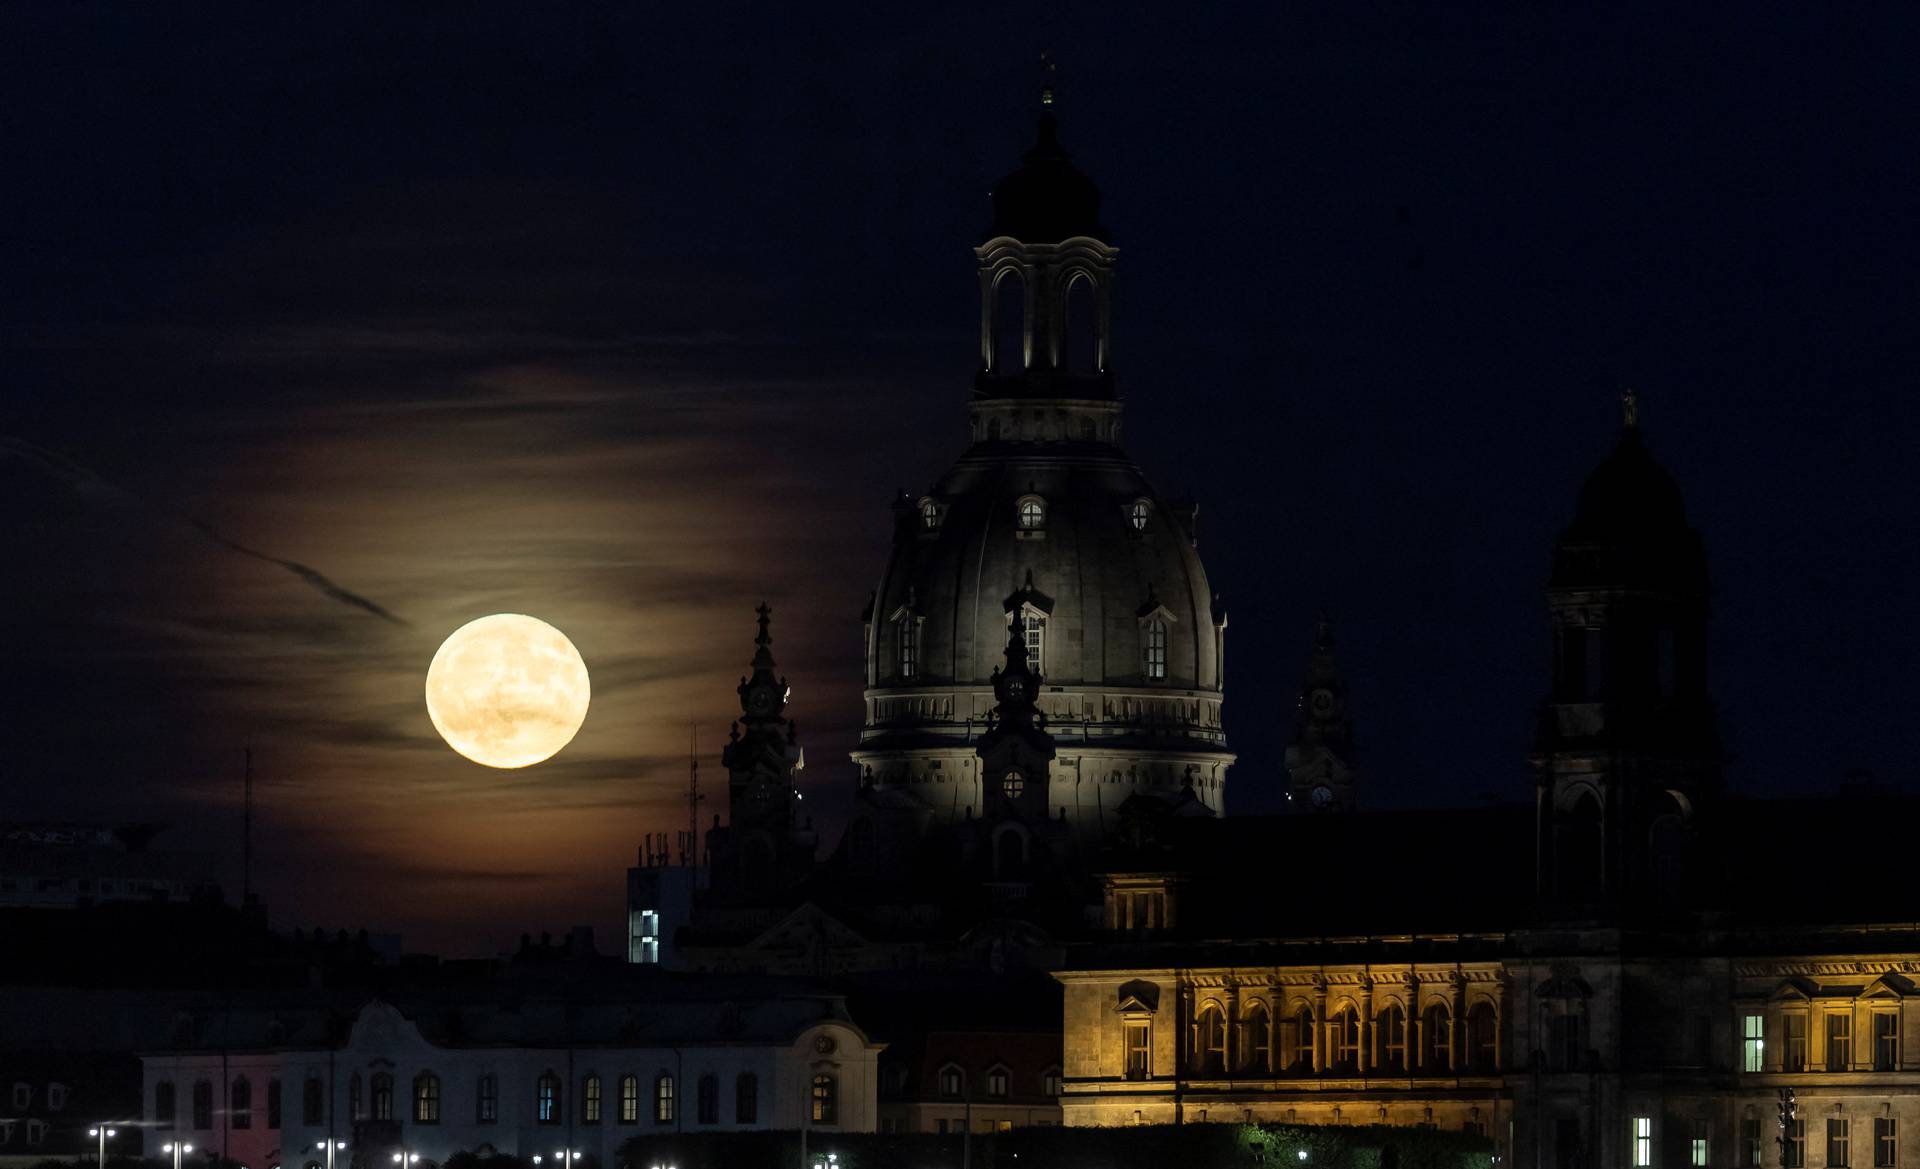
column 1048, row 72
column 763, row 642
column 1323, row 631
column 1630, row 410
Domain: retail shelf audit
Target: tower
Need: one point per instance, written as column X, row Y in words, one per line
column 766, row 844
column 1321, row 772
column 1016, row 759
column 1627, row 753
column 1044, row 526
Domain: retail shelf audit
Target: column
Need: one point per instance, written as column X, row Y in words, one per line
column 1233, row 1027
column 1366, row 1026
column 1416, row 1040
column 1457, row 1042
column 1319, row 1028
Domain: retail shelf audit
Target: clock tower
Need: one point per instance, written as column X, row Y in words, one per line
column 766, row 844
column 1321, row 773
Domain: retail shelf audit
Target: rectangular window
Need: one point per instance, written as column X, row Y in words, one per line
column 746, row 1099
column 1753, row 1043
column 312, row 1101
column 909, row 646
column 1839, row 1040
column 273, row 1104
column 1837, row 1133
column 1697, row 1145
column 629, row 1099
column 663, row 1099
column 1793, row 1154
column 487, row 1100
column 1750, row 1142
column 590, row 1101
column 1642, row 1142
column 1886, row 1142
column 1794, row 1048
column 1137, row 1050
column 1886, row 1041
column 1156, row 649
column 826, row 1099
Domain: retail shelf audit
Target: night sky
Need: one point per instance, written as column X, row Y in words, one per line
column 628, row 318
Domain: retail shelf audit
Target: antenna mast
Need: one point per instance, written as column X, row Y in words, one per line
column 691, row 853
column 246, row 836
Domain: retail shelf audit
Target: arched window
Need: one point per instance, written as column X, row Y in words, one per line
column 163, row 1104
column 1080, row 338
column 993, row 430
column 590, row 1099
column 1483, row 1039
column 1343, row 1041
column 1436, row 1037
column 629, row 1099
column 1031, row 513
column 1255, row 1041
column 1009, row 854
column 1009, row 354
column 313, row 1100
column 383, row 1096
column 356, row 1102
column 203, row 1104
column 1153, row 648
column 273, row 1103
column 953, row 1082
column 1391, row 1030
column 546, row 1099
column 486, row 1099
column 663, row 1099
column 707, row 1099
column 1138, row 513
column 908, row 642
column 826, row 1098
column 240, row 1110
column 1050, row 1083
column 1209, row 1041
column 426, row 1098
column 1580, row 863
column 929, row 515
column 746, row 1098
column 997, row 1082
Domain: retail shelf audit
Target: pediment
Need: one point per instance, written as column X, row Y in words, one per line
column 1793, row 990
column 1888, row 986
column 807, row 924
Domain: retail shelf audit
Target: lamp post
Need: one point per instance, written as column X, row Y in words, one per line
column 403, row 1158
column 178, row 1150
column 832, row 1162
column 567, row 1158
column 332, row 1146
column 101, row 1133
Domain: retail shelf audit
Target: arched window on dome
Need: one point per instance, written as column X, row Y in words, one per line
column 907, row 643
column 1031, row 513
column 929, row 514
column 1153, row 647
column 1139, row 512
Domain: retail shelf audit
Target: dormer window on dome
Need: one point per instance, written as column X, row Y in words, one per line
column 1138, row 513
column 930, row 514
column 1030, row 516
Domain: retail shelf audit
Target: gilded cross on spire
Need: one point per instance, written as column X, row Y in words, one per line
column 766, row 615
column 1630, row 410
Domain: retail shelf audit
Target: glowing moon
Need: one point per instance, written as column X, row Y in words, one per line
column 507, row 690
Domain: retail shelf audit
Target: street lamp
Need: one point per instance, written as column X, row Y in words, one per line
column 178, row 1150
column 566, row 1157
column 102, row 1132
column 832, row 1162
column 403, row 1157
column 332, row 1146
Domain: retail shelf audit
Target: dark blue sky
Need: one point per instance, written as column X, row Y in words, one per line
column 628, row 318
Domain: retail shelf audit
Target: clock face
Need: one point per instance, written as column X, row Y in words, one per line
column 759, row 701
column 1013, row 785
column 1016, row 688
column 1322, row 701
column 1322, row 796
column 824, row 1045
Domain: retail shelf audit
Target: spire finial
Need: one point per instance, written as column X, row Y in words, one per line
column 1048, row 72
column 766, row 616
column 1630, row 410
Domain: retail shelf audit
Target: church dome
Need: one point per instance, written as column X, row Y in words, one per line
column 1629, row 491
column 1630, row 527
column 1046, row 199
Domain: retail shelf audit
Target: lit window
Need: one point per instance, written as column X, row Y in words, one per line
column 590, row 1101
column 426, row 1098
column 997, row 1082
column 1138, row 513
column 826, row 1102
column 1033, row 514
column 1033, row 630
column 629, row 1099
column 909, row 641
column 1697, row 1145
column 546, row 1099
column 1642, row 1142
column 1753, row 1043
column 1154, row 647
column 1839, row 1130
column 663, row 1099
column 1886, row 1142
column 929, row 515
column 1750, row 1141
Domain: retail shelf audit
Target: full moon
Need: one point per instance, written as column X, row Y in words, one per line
column 507, row 690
